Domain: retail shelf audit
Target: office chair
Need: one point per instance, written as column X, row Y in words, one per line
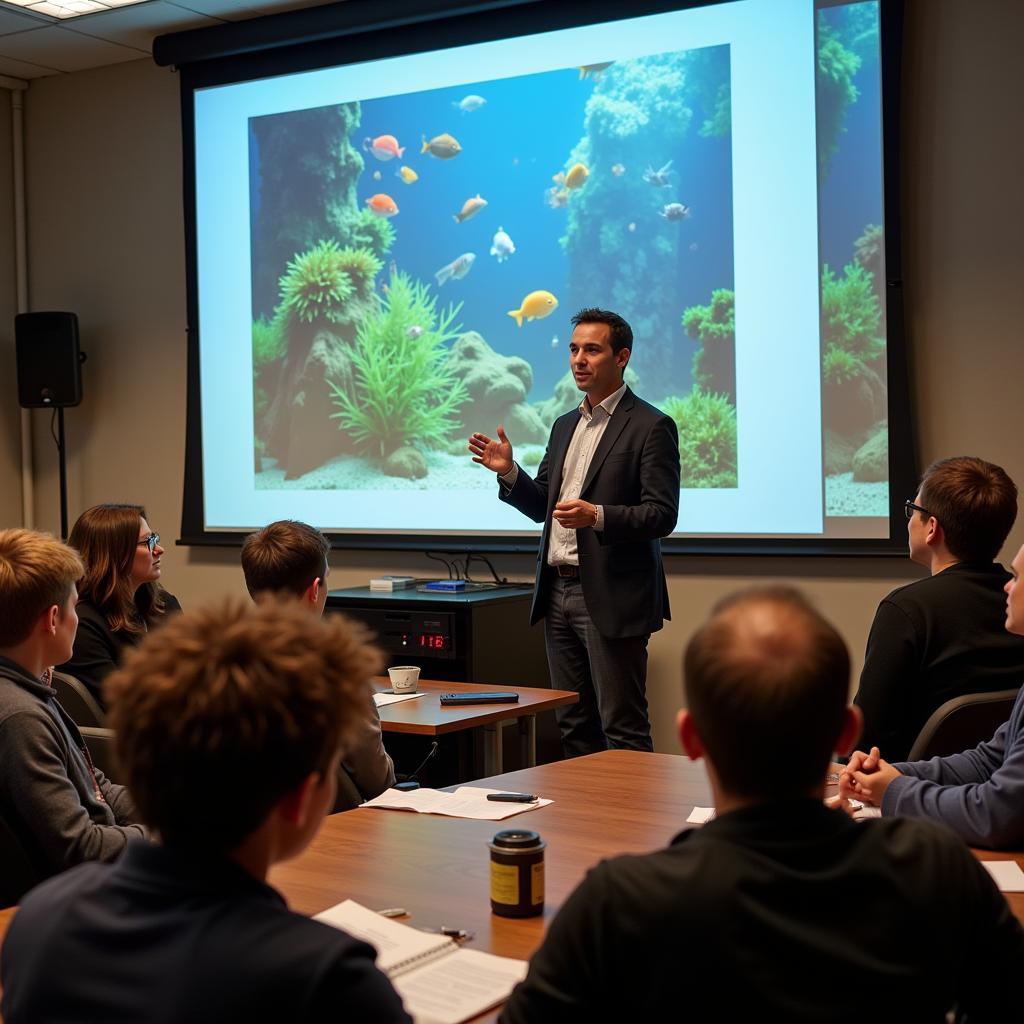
column 101, row 749
column 18, row 873
column 77, row 701
column 962, row 723
column 348, row 796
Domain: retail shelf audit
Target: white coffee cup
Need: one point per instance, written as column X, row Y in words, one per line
column 404, row 678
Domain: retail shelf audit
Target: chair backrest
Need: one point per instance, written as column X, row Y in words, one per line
column 348, row 796
column 77, row 701
column 18, row 872
column 101, row 749
column 962, row 723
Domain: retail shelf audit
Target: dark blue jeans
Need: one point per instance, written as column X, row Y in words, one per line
column 609, row 674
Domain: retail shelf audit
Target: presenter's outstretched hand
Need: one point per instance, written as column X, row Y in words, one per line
column 493, row 455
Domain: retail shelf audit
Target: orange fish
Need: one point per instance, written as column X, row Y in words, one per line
column 384, row 147
column 382, row 205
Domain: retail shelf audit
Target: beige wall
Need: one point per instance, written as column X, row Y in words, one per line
column 105, row 229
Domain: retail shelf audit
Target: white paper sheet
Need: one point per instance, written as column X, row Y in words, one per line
column 383, row 699
column 1006, row 874
column 700, row 815
column 465, row 802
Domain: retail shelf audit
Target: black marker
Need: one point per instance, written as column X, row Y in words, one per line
column 512, row 798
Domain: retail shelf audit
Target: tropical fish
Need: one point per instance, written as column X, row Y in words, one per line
column 618, row 170
column 557, row 198
column 470, row 208
column 675, row 211
column 444, row 147
column 631, row 226
column 594, row 70
column 384, row 147
column 382, row 205
column 469, row 103
column 577, row 175
column 407, row 174
column 659, row 179
column 501, row 245
column 377, row 175
column 535, row 306
column 457, row 269
column 414, row 331
column 554, row 341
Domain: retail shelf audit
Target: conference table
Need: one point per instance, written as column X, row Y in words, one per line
column 437, row 868
column 425, row 715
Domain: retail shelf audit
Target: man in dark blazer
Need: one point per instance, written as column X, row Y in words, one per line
column 607, row 491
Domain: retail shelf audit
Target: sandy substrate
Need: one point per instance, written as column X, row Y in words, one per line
column 845, row 496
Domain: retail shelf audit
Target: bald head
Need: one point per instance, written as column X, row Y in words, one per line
column 766, row 681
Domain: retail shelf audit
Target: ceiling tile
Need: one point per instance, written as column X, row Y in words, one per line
column 19, row 69
column 64, row 49
column 137, row 25
column 16, row 21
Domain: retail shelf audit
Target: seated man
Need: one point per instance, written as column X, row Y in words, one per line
column 979, row 793
column 60, row 807
column 942, row 636
column 290, row 558
column 229, row 725
column 779, row 909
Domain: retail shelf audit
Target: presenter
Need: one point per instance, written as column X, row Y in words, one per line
column 607, row 491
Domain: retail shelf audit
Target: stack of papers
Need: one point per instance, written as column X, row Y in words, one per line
column 465, row 802
column 383, row 699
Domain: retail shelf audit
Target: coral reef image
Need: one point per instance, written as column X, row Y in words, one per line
column 416, row 259
column 854, row 378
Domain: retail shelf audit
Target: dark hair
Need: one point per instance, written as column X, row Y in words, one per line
column 37, row 572
column 106, row 536
column 229, row 708
column 284, row 556
column 767, row 677
column 975, row 503
column 621, row 333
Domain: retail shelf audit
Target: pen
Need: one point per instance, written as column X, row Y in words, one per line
column 512, row 798
column 393, row 912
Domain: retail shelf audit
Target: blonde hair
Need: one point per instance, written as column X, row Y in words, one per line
column 229, row 708
column 37, row 571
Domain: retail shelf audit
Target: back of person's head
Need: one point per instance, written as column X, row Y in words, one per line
column 37, row 572
column 766, row 681
column 620, row 333
column 975, row 503
column 107, row 537
column 227, row 709
column 286, row 556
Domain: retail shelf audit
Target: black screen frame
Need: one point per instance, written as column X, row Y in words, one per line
column 361, row 30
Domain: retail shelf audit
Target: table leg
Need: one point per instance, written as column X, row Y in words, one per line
column 492, row 749
column 528, row 740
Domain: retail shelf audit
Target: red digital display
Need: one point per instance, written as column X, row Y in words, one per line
column 433, row 641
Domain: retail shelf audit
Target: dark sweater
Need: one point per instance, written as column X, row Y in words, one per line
column 166, row 936
column 932, row 640
column 783, row 913
column 62, row 811
column 98, row 649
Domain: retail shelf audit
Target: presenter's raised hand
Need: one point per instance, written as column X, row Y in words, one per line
column 493, row 455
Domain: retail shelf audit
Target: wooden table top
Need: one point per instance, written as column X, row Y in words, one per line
column 426, row 716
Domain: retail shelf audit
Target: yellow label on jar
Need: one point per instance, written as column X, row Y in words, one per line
column 505, row 883
column 537, row 883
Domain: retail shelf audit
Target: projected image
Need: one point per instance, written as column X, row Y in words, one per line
column 415, row 260
column 854, row 385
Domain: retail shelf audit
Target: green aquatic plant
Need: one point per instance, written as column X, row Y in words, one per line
column 268, row 343
column 403, row 390
column 839, row 367
column 707, row 438
column 368, row 231
column 851, row 314
column 320, row 283
column 837, row 67
column 714, row 325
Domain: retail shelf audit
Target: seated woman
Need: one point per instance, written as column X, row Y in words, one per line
column 119, row 596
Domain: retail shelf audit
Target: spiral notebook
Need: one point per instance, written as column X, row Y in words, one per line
column 439, row 982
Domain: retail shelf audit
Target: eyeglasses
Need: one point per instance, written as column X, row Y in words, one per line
column 154, row 538
column 909, row 508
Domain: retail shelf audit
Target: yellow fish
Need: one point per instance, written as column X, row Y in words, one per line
column 444, row 147
column 407, row 174
column 535, row 306
column 594, row 70
column 577, row 175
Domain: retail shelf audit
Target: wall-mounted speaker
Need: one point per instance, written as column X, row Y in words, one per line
column 49, row 360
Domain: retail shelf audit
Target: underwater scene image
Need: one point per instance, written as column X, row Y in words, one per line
column 852, row 254
column 416, row 259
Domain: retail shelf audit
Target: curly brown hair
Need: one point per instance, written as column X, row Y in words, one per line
column 106, row 536
column 229, row 708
